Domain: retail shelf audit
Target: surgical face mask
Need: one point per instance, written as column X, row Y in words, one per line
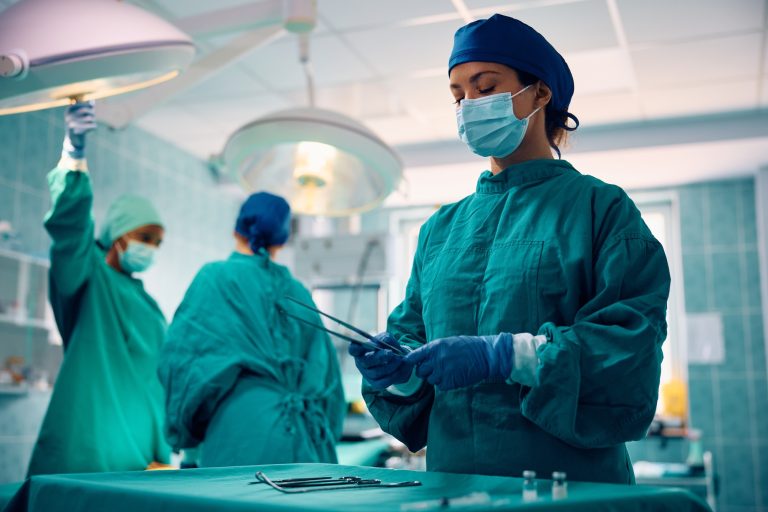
column 489, row 126
column 137, row 257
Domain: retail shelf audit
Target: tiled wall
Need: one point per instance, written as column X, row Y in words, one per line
column 729, row 401
column 199, row 220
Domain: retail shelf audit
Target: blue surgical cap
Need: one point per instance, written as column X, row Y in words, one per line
column 265, row 220
column 126, row 214
column 508, row 41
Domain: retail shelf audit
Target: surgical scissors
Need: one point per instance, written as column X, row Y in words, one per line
column 370, row 341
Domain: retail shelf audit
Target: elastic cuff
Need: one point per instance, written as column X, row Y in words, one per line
column 72, row 164
column 526, row 358
column 408, row 388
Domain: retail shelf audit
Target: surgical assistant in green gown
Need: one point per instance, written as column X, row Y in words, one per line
column 538, row 248
column 251, row 384
column 106, row 409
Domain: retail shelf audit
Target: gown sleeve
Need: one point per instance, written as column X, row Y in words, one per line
column 597, row 380
column 70, row 225
column 406, row 417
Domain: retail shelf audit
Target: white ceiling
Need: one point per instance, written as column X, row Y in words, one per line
column 384, row 62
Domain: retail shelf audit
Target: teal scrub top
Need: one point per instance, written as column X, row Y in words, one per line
column 251, row 384
column 543, row 249
column 106, row 408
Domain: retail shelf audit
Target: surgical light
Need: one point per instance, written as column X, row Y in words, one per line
column 322, row 162
column 53, row 52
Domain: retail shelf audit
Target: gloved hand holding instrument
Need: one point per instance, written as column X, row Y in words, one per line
column 79, row 118
column 380, row 358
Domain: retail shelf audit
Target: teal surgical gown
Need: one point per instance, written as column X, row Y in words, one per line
column 251, row 384
column 106, row 410
column 538, row 248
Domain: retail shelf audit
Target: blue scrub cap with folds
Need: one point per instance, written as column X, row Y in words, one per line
column 508, row 41
column 126, row 214
column 265, row 220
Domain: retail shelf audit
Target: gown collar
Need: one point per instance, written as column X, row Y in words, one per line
column 532, row 170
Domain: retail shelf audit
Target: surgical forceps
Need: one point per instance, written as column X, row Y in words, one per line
column 368, row 343
column 327, row 483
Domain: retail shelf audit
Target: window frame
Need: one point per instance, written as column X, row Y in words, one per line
column 667, row 203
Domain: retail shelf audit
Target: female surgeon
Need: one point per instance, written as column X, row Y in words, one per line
column 242, row 377
column 536, row 306
column 106, row 410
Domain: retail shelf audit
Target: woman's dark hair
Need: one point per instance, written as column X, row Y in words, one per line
column 555, row 121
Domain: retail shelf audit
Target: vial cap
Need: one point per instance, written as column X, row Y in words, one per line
column 559, row 476
column 528, row 474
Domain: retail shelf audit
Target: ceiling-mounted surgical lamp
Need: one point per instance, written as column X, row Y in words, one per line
column 322, row 162
column 53, row 52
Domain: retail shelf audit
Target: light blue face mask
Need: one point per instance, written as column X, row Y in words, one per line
column 489, row 126
column 137, row 257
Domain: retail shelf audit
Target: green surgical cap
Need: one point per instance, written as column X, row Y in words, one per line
column 127, row 214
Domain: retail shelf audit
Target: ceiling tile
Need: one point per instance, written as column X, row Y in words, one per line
column 225, row 83
column 499, row 5
column 184, row 8
column 278, row 64
column 358, row 99
column 333, row 62
column 400, row 129
column 704, row 99
column 601, row 70
column 764, row 92
column 172, row 119
column 684, row 19
column 571, row 27
column 232, row 113
column 608, row 108
column 399, row 50
column 710, row 60
column 430, row 93
column 345, row 15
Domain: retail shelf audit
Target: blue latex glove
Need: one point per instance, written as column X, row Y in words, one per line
column 79, row 119
column 381, row 368
column 461, row 361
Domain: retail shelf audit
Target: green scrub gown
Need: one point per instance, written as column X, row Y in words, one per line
column 538, row 248
column 106, row 410
column 253, row 385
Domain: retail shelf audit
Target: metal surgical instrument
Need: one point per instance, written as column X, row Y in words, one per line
column 370, row 343
column 302, row 485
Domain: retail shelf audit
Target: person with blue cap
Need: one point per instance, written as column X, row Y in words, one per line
column 245, row 383
column 536, row 307
column 105, row 412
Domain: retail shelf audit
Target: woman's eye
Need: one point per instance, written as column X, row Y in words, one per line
column 458, row 101
column 486, row 91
